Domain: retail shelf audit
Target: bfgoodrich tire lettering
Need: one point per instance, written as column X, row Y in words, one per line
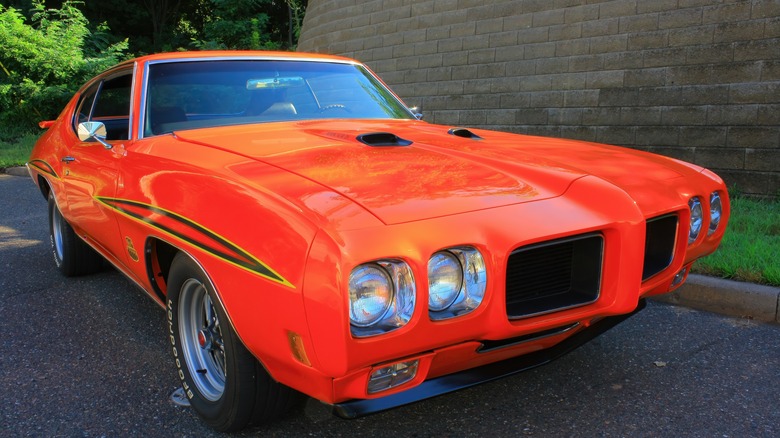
column 71, row 255
column 225, row 384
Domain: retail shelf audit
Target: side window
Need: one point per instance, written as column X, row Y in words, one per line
column 84, row 107
column 108, row 102
column 112, row 106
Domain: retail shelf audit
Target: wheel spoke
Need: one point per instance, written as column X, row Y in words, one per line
column 208, row 310
column 202, row 339
column 219, row 358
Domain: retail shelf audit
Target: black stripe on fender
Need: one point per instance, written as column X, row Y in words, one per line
column 44, row 167
column 227, row 250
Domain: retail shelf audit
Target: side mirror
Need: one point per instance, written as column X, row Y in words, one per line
column 93, row 131
column 416, row 112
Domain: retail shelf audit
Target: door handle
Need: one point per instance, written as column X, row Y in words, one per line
column 68, row 159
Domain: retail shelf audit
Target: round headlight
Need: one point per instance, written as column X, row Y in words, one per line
column 716, row 210
column 445, row 278
column 370, row 294
column 696, row 219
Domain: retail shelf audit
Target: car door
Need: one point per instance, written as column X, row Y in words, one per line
column 91, row 169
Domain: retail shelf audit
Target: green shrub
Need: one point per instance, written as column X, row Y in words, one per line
column 237, row 24
column 43, row 63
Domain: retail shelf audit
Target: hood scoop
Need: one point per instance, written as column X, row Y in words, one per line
column 463, row 132
column 383, row 139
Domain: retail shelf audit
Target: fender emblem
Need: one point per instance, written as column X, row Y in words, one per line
column 131, row 249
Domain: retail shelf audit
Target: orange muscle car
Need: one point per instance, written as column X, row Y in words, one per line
column 307, row 233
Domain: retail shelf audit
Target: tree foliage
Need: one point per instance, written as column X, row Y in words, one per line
column 162, row 12
column 48, row 48
column 44, row 60
column 243, row 24
column 166, row 25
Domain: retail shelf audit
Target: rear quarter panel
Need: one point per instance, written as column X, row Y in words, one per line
column 45, row 158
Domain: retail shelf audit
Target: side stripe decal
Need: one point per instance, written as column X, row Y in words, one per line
column 224, row 249
column 44, row 167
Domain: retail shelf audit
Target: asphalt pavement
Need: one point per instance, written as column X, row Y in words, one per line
column 88, row 357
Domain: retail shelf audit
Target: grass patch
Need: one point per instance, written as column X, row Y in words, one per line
column 750, row 250
column 16, row 153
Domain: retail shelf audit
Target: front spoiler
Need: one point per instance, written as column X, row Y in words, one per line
column 475, row 376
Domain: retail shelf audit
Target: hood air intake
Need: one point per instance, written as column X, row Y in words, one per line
column 463, row 132
column 383, row 139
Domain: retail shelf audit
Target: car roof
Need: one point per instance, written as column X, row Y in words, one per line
column 236, row 54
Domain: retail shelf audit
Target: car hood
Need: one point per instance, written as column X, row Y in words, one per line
column 437, row 174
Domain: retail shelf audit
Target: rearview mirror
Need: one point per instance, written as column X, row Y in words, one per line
column 416, row 112
column 279, row 82
column 93, row 131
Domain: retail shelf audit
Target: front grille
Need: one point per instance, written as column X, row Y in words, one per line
column 659, row 244
column 554, row 275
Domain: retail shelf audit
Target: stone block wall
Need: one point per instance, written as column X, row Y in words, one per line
column 694, row 79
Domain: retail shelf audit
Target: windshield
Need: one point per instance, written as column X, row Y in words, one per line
column 200, row 94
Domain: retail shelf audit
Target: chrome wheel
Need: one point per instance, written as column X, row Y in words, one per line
column 223, row 382
column 56, row 234
column 71, row 254
column 201, row 338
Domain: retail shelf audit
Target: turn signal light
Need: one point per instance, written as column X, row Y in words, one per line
column 679, row 278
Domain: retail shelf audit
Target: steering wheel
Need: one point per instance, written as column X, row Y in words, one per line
column 335, row 106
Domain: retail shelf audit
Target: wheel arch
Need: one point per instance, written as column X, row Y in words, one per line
column 44, row 186
column 253, row 394
column 159, row 259
column 159, row 255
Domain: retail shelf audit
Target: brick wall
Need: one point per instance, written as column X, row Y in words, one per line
column 693, row 79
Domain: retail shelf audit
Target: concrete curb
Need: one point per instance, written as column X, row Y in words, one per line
column 727, row 297
column 16, row 171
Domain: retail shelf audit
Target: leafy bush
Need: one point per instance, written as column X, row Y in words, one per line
column 43, row 63
column 237, row 24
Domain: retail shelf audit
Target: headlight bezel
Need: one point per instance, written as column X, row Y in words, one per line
column 473, row 285
column 469, row 296
column 440, row 300
column 696, row 209
column 402, row 302
column 716, row 212
column 362, row 274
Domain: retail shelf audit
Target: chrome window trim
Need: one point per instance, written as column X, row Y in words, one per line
column 130, row 135
column 119, row 70
column 145, row 79
column 142, row 108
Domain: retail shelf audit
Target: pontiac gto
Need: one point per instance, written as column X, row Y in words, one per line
column 306, row 233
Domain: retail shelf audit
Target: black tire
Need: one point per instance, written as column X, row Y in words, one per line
column 72, row 255
column 224, row 383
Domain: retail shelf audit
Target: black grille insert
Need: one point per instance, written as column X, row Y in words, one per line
column 659, row 244
column 554, row 275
